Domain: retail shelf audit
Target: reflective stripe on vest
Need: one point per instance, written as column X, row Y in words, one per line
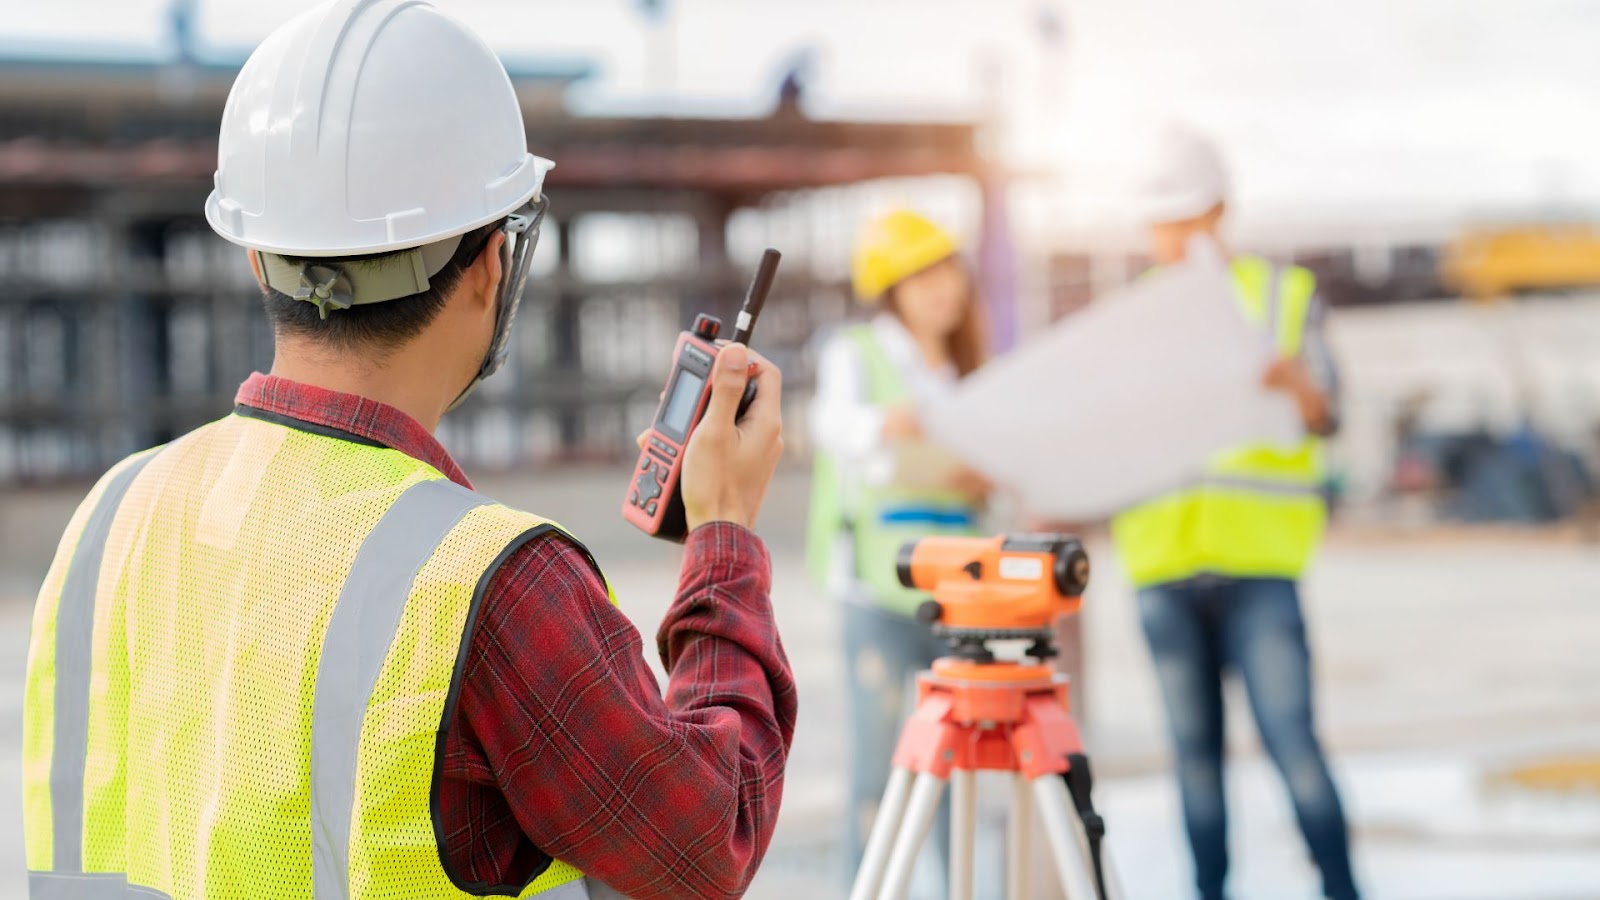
column 181, row 566
column 357, row 642
column 75, row 614
column 1258, row 485
column 878, row 519
column 1257, row 510
column 107, row 886
column 87, row 886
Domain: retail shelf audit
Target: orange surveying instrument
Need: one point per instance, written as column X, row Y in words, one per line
column 977, row 712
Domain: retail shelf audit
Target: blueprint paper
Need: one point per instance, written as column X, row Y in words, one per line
column 1122, row 401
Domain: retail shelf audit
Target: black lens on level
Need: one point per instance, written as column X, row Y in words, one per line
column 902, row 563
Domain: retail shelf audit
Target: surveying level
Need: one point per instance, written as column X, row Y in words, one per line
column 1003, row 588
column 976, row 712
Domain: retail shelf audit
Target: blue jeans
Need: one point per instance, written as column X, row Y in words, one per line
column 1199, row 629
column 882, row 652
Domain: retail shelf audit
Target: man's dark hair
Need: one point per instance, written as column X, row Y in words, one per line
column 374, row 326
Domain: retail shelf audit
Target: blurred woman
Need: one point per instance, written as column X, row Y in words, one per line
column 877, row 483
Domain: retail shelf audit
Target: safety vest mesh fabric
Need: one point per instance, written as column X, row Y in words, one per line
column 879, row 519
column 1257, row 511
column 278, row 619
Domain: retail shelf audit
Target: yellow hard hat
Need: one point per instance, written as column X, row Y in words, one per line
column 893, row 248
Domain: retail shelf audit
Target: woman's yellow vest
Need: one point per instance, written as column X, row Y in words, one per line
column 244, row 661
column 878, row 519
column 1257, row 511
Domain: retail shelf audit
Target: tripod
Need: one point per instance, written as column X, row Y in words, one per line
column 975, row 713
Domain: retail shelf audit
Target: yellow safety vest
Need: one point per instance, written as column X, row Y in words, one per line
column 1256, row 511
column 244, row 661
column 879, row 519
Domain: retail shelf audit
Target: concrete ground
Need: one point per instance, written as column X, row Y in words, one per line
column 1443, row 662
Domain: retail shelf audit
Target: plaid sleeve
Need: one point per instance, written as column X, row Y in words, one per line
column 564, row 742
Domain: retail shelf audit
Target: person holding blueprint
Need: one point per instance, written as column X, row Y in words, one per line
column 1217, row 560
column 880, row 483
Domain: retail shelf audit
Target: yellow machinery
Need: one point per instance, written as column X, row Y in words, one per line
column 1487, row 263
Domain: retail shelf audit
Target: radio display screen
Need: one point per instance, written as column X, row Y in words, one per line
column 681, row 403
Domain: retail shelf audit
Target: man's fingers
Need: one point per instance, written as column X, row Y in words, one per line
column 641, row 438
column 759, row 361
column 766, row 410
column 1274, row 373
column 728, row 377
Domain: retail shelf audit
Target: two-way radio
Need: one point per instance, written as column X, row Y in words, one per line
column 654, row 502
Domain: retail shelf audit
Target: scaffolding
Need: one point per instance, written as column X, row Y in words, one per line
column 125, row 322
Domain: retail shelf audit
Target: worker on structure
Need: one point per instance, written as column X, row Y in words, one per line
column 1216, row 561
column 293, row 654
column 871, row 378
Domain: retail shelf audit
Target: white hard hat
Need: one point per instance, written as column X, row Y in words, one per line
column 365, row 126
column 1182, row 178
column 376, row 127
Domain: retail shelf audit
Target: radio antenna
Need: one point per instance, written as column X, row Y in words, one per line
column 756, row 297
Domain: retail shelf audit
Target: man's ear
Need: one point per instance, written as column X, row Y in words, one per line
column 255, row 266
column 485, row 271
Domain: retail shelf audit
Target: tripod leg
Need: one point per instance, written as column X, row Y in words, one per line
column 1090, row 826
column 1019, row 850
column 920, row 812
column 963, row 831
column 884, row 827
column 1067, row 844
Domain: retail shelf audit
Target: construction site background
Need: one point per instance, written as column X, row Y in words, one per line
column 1432, row 164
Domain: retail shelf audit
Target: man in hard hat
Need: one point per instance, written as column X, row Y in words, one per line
column 293, row 654
column 1217, row 561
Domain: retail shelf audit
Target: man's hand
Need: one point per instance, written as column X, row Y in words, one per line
column 1288, row 374
column 727, row 466
column 971, row 484
column 900, row 424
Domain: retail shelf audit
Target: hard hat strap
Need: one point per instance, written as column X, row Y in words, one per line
column 516, row 253
column 340, row 285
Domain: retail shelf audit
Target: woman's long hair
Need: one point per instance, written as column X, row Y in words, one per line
column 968, row 344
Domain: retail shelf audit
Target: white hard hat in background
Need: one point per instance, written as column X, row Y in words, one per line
column 1182, row 176
column 364, row 126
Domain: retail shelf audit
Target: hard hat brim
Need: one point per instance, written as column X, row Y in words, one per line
column 225, row 221
column 875, row 278
column 1180, row 207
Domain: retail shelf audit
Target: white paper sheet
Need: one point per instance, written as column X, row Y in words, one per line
column 1122, row 401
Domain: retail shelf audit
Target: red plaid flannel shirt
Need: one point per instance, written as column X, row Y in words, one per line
column 562, row 739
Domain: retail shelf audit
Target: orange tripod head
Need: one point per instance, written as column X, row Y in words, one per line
column 999, row 588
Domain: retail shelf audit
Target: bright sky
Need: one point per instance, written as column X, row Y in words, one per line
column 1395, row 112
